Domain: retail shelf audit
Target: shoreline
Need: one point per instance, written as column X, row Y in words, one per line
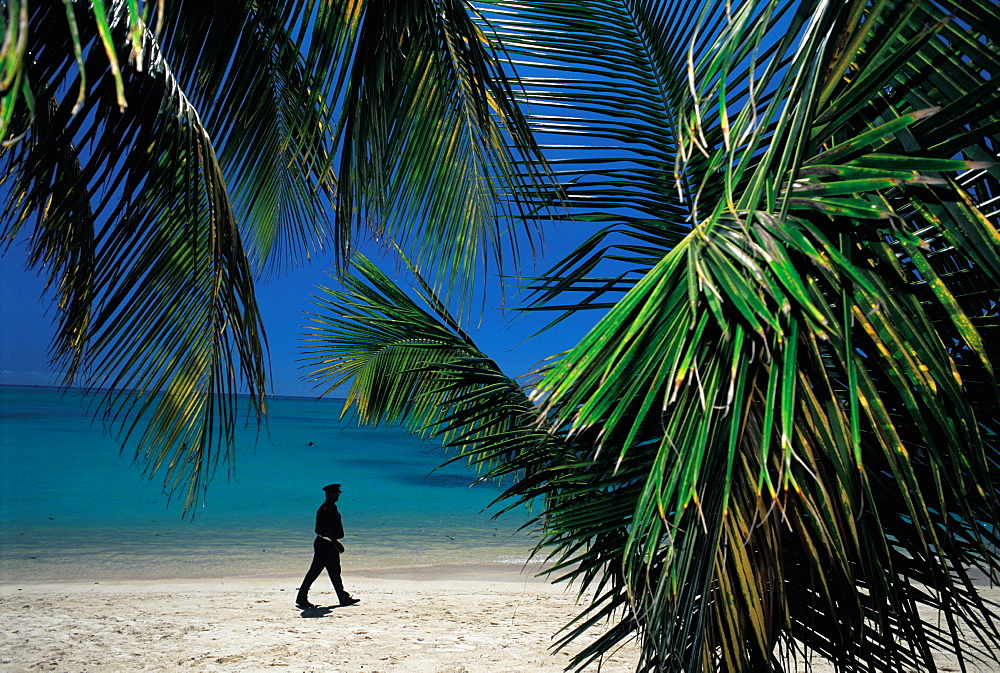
column 107, row 556
column 498, row 572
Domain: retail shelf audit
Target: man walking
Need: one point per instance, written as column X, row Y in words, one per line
column 327, row 549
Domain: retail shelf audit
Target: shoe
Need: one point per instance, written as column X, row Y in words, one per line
column 344, row 602
column 303, row 604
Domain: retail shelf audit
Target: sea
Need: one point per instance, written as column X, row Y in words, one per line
column 73, row 506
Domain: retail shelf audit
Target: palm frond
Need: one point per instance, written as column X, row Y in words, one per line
column 127, row 211
column 780, row 441
column 392, row 120
column 602, row 82
column 262, row 99
column 110, row 171
column 811, row 341
column 413, row 365
column 430, row 142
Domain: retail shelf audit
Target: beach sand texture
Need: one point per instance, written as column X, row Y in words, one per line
column 408, row 621
column 249, row 625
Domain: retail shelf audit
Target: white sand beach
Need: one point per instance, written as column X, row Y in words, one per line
column 407, row 621
column 440, row 619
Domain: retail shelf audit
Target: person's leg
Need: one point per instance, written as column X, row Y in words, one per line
column 333, row 569
column 315, row 569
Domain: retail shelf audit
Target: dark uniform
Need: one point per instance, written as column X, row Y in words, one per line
column 326, row 551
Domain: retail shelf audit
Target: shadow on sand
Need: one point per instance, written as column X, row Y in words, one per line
column 318, row 611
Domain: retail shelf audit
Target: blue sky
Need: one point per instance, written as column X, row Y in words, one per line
column 26, row 324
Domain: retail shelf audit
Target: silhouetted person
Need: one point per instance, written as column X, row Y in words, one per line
column 329, row 531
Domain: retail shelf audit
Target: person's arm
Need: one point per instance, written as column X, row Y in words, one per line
column 337, row 529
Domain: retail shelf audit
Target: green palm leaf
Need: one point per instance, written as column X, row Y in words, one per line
column 193, row 155
column 794, row 354
column 430, row 143
column 601, row 83
column 780, row 439
column 415, row 366
column 261, row 97
column 127, row 210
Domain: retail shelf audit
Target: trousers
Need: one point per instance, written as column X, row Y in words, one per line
column 325, row 555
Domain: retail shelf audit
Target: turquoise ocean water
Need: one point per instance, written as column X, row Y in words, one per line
column 72, row 508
